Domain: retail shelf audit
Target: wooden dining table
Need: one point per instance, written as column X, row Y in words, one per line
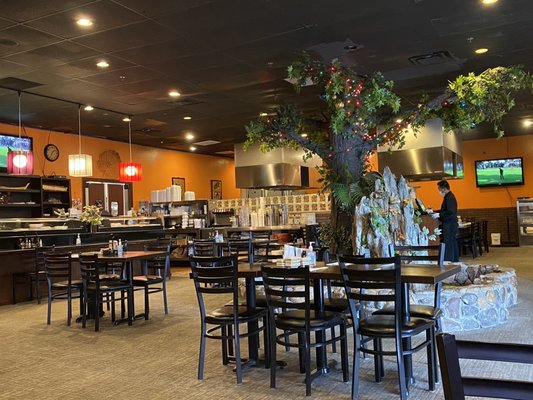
column 128, row 257
column 411, row 273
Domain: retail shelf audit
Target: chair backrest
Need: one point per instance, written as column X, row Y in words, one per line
column 214, row 276
column 422, row 253
column 456, row 387
column 372, row 279
column 39, row 256
column 242, row 248
column 261, row 243
column 287, row 288
column 159, row 265
column 58, row 266
column 90, row 268
column 203, row 247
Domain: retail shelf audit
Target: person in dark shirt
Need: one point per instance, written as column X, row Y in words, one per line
column 448, row 216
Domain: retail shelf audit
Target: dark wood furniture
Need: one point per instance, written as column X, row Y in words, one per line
column 58, row 267
column 457, row 386
column 154, row 276
column 361, row 278
column 290, row 311
column 34, row 278
column 219, row 276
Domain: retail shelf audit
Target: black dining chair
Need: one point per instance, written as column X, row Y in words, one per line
column 241, row 248
column 289, row 306
column 218, row 277
column 96, row 291
column 422, row 255
column 154, row 277
column 261, row 245
column 467, row 239
column 58, row 269
column 33, row 278
column 204, row 247
column 456, row 385
column 376, row 280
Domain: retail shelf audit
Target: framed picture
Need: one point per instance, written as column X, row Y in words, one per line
column 180, row 182
column 216, row 190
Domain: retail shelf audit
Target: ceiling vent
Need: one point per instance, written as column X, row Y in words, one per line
column 206, row 143
column 17, row 84
column 147, row 129
column 188, row 101
column 437, row 57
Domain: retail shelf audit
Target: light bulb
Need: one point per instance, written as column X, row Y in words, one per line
column 20, row 161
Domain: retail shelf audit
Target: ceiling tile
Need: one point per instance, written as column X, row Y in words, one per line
column 55, row 54
column 87, row 66
column 24, row 10
column 25, row 38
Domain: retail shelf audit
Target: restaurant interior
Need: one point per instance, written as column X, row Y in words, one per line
column 138, row 218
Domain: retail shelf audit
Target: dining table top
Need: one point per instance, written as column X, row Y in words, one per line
column 411, row 273
column 128, row 255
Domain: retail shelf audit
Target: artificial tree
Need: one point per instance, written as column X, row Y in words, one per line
column 361, row 112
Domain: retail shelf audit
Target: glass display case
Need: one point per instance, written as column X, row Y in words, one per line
column 112, row 224
column 37, row 226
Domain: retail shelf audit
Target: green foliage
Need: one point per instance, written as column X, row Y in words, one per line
column 348, row 196
column 335, row 238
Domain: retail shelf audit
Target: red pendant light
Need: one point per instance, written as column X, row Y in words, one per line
column 20, row 162
column 130, row 171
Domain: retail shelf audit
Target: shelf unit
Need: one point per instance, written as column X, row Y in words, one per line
column 55, row 198
column 194, row 208
column 31, row 196
column 524, row 214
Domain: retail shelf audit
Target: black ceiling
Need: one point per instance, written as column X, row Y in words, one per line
column 228, row 59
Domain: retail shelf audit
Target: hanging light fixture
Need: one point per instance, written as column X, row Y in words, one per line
column 20, row 162
column 130, row 171
column 80, row 164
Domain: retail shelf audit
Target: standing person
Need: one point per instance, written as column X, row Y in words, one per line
column 448, row 216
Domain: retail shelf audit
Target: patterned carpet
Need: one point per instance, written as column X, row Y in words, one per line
column 157, row 359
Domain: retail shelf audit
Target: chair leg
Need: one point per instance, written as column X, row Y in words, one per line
column 69, row 306
column 402, row 381
column 356, row 364
column 230, row 341
column 307, row 364
column 83, row 307
column 97, row 295
column 49, row 311
column 334, row 344
column 266, row 341
column 301, row 355
column 344, row 354
column 146, row 303
column 273, row 344
column 432, row 361
column 238, row 361
column 201, row 356
column 38, row 287
column 112, row 305
column 165, row 303
column 224, row 341
column 378, row 360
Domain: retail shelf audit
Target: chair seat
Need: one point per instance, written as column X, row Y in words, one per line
column 336, row 304
column 384, row 326
column 416, row 310
column 110, row 286
column 295, row 319
column 143, row 279
column 75, row 283
column 225, row 314
column 106, row 277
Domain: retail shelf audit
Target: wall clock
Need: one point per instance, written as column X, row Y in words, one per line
column 51, row 152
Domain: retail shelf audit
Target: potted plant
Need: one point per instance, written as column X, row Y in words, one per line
column 91, row 216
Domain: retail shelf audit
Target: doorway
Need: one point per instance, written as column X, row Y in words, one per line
column 104, row 192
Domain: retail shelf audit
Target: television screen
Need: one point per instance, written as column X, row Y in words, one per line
column 499, row 172
column 9, row 142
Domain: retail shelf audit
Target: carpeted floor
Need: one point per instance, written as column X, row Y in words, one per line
column 157, row 359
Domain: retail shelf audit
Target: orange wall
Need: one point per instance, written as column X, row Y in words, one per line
column 159, row 166
column 467, row 193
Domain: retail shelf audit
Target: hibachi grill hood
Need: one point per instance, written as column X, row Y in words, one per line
column 281, row 168
column 432, row 155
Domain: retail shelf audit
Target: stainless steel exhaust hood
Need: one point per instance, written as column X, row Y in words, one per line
column 279, row 168
column 430, row 155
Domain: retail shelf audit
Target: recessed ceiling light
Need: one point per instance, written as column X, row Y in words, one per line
column 487, row 2
column 187, row 117
column 527, row 123
column 126, row 119
column 102, row 64
column 84, row 22
column 482, row 50
column 189, row 136
column 263, row 114
column 174, row 93
column 89, row 108
column 192, row 148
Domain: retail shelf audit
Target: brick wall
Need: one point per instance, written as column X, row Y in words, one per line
column 497, row 221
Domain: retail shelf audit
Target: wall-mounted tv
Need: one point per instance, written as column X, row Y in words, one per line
column 10, row 142
column 499, row 172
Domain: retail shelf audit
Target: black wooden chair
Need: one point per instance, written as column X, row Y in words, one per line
column 35, row 277
column 218, row 276
column 154, row 277
column 94, row 289
column 456, row 386
column 242, row 249
column 467, row 239
column 261, row 245
column 369, row 280
column 58, row 269
column 422, row 254
column 288, row 298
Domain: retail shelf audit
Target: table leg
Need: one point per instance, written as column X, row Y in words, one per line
column 408, row 360
column 253, row 341
column 321, row 355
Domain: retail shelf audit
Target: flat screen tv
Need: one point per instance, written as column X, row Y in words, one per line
column 499, row 172
column 11, row 142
